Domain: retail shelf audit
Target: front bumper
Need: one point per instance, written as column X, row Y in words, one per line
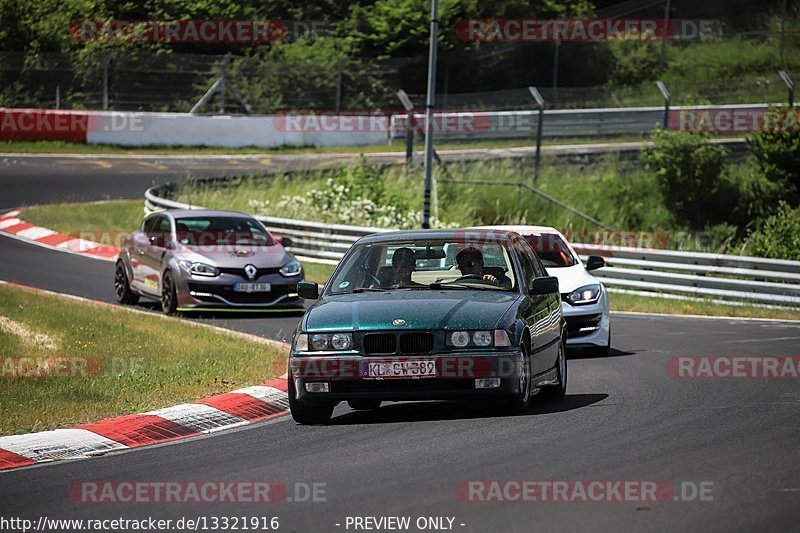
column 587, row 325
column 455, row 377
column 217, row 292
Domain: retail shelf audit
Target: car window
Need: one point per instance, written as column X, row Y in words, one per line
column 213, row 230
column 419, row 265
column 551, row 249
column 527, row 260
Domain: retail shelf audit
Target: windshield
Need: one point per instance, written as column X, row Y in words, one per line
column 428, row 265
column 201, row 231
column 552, row 250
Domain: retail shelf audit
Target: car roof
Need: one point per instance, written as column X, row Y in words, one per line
column 524, row 230
column 184, row 213
column 435, row 234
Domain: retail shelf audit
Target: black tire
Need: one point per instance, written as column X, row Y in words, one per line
column 364, row 405
column 521, row 402
column 304, row 414
column 122, row 286
column 169, row 295
column 559, row 390
column 601, row 351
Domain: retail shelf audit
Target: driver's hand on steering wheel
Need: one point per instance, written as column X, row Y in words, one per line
column 489, row 277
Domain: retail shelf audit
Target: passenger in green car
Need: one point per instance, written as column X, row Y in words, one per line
column 470, row 263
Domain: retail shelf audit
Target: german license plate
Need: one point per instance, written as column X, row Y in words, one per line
column 252, row 287
column 399, row 369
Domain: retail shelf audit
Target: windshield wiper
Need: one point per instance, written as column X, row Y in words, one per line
column 368, row 289
column 462, row 286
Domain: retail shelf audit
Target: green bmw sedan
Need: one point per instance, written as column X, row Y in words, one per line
column 429, row 315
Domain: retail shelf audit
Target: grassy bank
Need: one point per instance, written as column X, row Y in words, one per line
column 133, row 362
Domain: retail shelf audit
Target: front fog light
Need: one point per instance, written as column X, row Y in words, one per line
column 319, row 342
column 342, row 341
column 459, row 339
column 318, row 387
column 487, row 383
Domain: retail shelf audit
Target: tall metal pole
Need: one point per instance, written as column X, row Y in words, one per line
column 429, row 103
column 662, row 60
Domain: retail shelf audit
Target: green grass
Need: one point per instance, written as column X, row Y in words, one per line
column 97, row 219
column 144, row 362
column 622, row 196
column 645, row 304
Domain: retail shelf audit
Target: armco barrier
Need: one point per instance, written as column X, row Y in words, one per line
column 602, row 122
column 126, row 128
column 716, row 276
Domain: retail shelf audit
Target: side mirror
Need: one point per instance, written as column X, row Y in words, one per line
column 308, row 290
column 544, row 285
column 594, row 262
column 285, row 241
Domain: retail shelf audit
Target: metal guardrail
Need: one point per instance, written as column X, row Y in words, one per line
column 568, row 123
column 689, row 274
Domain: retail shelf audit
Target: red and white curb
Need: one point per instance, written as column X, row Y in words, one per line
column 13, row 226
column 215, row 413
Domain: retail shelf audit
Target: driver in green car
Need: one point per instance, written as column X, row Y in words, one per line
column 470, row 263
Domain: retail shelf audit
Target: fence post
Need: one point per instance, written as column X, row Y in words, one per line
column 540, row 122
column 339, row 70
column 789, row 85
column 223, row 76
column 408, row 105
column 783, row 32
column 665, row 93
column 106, row 61
column 58, row 97
column 662, row 59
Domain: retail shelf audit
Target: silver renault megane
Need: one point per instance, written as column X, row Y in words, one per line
column 202, row 259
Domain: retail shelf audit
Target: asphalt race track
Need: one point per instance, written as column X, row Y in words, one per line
column 624, row 418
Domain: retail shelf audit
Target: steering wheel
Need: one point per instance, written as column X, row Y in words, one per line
column 377, row 281
column 470, row 276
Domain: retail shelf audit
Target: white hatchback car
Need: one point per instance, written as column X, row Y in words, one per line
column 584, row 299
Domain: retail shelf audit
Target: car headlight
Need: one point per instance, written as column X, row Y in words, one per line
column 459, row 339
column 199, row 269
column 301, row 343
column 481, row 338
column 329, row 341
column 292, row 268
column 584, row 295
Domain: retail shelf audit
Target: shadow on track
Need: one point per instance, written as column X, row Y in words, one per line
column 579, row 353
column 430, row 411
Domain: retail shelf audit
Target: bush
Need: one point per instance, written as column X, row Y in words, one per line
column 357, row 196
column 691, row 175
column 778, row 236
column 776, row 150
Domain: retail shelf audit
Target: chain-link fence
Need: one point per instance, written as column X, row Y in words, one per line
column 130, row 79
